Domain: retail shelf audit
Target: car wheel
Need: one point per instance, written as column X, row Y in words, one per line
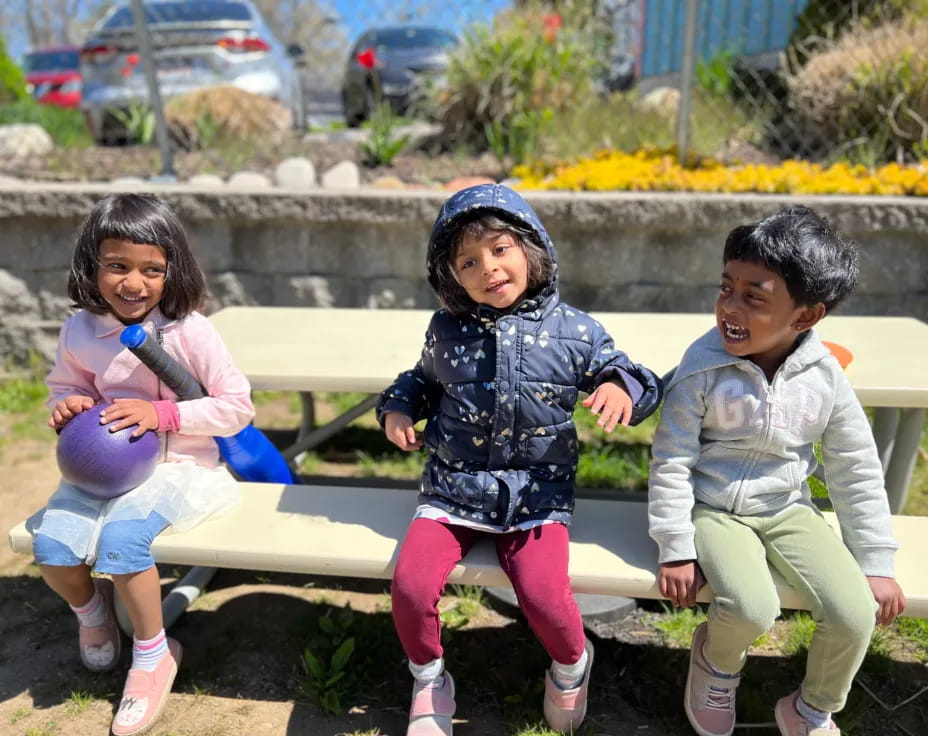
column 352, row 118
column 370, row 101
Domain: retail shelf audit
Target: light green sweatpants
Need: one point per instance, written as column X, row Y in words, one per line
column 736, row 554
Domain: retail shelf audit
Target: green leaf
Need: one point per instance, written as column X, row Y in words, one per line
column 342, row 654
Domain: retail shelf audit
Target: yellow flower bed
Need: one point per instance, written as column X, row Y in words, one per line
column 660, row 171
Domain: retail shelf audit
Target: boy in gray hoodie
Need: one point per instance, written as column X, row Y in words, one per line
column 728, row 497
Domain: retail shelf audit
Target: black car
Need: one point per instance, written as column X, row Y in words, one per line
column 394, row 64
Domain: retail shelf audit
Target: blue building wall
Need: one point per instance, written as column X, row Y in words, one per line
column 746, row 27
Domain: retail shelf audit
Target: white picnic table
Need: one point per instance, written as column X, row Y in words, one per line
column 309, row 349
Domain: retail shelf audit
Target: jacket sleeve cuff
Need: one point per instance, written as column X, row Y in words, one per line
column 875, row 561
column 676, row 547
column 168, row 416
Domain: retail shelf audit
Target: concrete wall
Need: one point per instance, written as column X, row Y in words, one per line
column 618, row 252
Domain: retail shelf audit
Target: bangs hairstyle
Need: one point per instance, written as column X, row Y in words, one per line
column 814, row 261
column 142, row 219
column 447, row 287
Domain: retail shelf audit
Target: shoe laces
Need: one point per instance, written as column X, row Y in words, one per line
column 718, row 698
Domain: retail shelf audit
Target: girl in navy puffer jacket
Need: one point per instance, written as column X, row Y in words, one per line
column 497, row 381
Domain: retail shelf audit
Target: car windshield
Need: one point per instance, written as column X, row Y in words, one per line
column 182, row 12
column 51, row 61
column 416, row 38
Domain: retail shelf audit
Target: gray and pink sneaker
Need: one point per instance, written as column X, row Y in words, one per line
column 566, row 709
column 709, row 700
column 100, row 645
column 432, row 707
column 791, row 723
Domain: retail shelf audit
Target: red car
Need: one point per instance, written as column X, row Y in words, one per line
column 53, row 75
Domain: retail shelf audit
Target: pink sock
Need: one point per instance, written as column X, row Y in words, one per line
column 146, row 653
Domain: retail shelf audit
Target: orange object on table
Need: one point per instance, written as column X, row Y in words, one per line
column 841, row 353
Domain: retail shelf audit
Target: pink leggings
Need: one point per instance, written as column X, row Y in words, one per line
column 535, row 561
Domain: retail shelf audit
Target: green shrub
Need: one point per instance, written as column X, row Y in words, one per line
column 384, row 144
column 66, row 126
column 12, row 81
column 866, row 96
column 506, row 83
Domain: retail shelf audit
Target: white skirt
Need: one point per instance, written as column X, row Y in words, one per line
column 184, row 493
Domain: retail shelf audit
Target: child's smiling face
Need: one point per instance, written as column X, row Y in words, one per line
column 492, row 269
column 130, row 277
column 756, row 316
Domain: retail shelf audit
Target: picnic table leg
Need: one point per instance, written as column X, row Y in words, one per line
column 885, row 424
column 911, row 423
column 185, row 591
column 308, row 418
column 321, row 434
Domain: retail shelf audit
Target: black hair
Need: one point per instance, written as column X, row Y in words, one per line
column 143, row 219
column 443, row 278
column 815, row 262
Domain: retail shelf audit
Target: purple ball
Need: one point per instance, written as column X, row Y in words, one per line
column 102, row 463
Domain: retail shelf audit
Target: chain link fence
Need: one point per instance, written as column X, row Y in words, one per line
column 824, row 80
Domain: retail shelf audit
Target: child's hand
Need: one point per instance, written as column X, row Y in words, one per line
column 126, row 412
column 612, row 403
column 68, row 408
column 680, row 582
column 399, row 430
column 889, row 596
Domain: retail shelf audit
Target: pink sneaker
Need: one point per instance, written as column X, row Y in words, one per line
column 100, row 645
column 566, row 709
column 145, row 694
column 432, row 708
column 709, row 700
column 791, row 723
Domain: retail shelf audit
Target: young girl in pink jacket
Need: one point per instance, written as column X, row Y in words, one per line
column 133, row 265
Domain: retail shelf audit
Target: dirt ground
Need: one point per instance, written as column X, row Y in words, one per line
column 243, row 639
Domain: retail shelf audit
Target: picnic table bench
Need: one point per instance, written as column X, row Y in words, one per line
column 356, row 530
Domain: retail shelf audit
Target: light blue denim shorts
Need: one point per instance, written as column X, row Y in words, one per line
column 124, row 547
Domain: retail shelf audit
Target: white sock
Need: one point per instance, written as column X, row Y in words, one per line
column 715, row 672
column 569, row 676
column 818, row 718
column 93, row 612
column 428, row 672
column 146, row 653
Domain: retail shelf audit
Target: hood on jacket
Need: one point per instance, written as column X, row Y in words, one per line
column 489, row 199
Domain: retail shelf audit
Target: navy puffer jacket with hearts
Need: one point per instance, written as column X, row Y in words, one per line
column 498, row 389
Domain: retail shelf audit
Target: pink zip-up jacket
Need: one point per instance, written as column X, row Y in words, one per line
column 91, row 361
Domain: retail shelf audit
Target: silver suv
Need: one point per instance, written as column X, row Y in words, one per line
column 197, row 44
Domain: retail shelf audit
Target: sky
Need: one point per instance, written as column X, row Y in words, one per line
column 357, row 15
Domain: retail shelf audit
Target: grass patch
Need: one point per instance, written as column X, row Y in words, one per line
column 22, row 712
column 19, row 395
column 799, row 630
column 47, row 729
column 677, row 626
column 915, row 632
column 79, row 701
column 466, row 602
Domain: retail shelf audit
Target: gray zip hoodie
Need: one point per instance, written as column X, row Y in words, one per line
column 730, row 439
